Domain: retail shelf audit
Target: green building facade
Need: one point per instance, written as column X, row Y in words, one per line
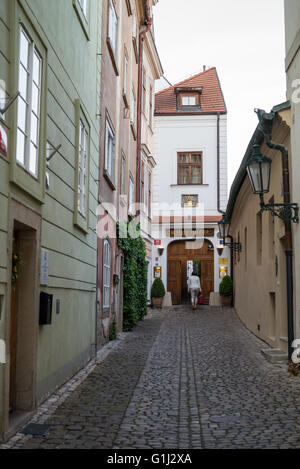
column 50, row 52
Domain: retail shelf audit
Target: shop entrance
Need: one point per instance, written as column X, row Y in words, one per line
column 182, row 261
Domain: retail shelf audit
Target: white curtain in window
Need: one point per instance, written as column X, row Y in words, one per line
column 28, row 121
column 106, row 273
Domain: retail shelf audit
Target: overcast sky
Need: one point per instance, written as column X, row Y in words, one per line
column 244, row 40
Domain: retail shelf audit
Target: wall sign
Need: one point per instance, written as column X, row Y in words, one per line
column 44, row 267
column 157, row 271
column 223, row 260
column 189, row 233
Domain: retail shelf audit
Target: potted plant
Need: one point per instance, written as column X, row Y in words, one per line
column 225, row 290
column 157, row 292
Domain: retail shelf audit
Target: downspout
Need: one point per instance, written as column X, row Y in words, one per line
column 266, row 128
column 218, row 162
column 143, row 32
column 218, row 190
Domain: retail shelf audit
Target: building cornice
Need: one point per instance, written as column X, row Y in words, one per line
column 156, row 63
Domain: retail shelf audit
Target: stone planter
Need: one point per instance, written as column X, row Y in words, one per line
column 226, row 300
column 157, row 302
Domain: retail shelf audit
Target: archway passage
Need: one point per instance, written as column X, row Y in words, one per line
column 181, row 257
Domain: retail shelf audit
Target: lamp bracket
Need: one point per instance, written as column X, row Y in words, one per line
column 55, row 150
column 9, row 103
column 286, row 212
column 234, row 246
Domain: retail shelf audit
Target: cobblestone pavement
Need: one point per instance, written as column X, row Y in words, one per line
column 180, row 379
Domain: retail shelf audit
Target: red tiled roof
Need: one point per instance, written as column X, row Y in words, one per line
column 211, row 98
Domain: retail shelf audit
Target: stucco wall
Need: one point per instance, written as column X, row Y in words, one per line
column 66, row 344
column 190, row 133
column 260, row 292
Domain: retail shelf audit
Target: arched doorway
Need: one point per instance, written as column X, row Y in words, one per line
column 179, row 258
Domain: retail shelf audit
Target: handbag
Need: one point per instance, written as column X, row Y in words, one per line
column 200, row 300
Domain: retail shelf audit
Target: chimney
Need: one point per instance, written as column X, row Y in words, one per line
column 204, row 68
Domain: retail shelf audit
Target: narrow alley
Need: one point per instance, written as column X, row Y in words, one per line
column 181, row 379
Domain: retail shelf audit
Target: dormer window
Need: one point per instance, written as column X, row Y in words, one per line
column 188, row 99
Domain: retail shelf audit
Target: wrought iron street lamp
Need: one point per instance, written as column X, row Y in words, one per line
column 224, row 225
column 259, row 172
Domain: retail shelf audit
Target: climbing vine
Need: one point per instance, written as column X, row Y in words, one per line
column 134, row 274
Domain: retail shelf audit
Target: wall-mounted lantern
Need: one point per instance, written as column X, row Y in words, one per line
column 259, row 172
column 224, row 233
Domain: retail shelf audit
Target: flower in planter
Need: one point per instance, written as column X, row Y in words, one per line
column 158, row 288
column 158, row 291
column 16, row 266
column 226, row 287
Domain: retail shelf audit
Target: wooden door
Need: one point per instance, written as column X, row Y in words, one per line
column 174, row 281
column 207, row 279
column 13, row 348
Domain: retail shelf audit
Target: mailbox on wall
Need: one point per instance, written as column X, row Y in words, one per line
column 46, row 301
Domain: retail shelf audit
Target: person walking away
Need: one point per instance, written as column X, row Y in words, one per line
column 194, row 288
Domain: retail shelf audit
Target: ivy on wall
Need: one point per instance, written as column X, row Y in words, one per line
column 134, row 274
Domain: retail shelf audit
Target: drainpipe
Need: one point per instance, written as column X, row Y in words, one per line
column 288, row 242
column 143, row 31
column 218, row 162
column 218, row 188
column 266, row 129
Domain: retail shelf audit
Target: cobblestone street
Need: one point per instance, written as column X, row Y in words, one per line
column 180, row 379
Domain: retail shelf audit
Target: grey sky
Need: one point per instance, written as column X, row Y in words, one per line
column 243, row 39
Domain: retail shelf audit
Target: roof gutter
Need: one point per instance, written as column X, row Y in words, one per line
column 143, row 32
column 218, row 163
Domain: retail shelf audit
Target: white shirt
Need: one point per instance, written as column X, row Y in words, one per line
column 194, row 282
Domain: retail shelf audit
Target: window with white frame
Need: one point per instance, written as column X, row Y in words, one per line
column 131, row 194
column 82, row 168
column 84, row 5
column 132, row 108
column 150, row 106
column 134, row 27
column 106, row 273
column 29, row 103
column 112, row 26
column 142, row 183
column 188, row 100
column 109, row 150
column 144, row 90
column 123, row 168
column 125, row 74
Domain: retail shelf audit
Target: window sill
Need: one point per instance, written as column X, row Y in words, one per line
column 109, row 180
column 129, row 11
column 112, row 56
column 80, row 223
column 189, row 184
column 123, row 200
column 82, row 19
column 189, row 108
column 133, row 130
column 125, row 100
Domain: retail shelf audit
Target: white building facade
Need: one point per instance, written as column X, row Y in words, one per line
column 190, row 184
